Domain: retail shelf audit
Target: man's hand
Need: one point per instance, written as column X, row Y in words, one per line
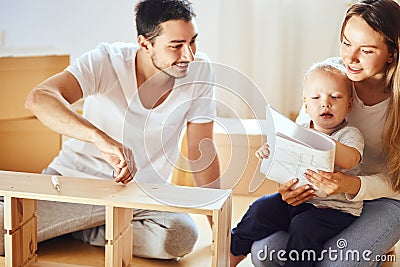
column 119, row 156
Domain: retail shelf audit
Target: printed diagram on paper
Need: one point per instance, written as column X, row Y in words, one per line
column 293, row 149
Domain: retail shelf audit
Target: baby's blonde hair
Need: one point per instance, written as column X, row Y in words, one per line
column 333, row 66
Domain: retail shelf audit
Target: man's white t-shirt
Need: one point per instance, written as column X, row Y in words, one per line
column 108, row 80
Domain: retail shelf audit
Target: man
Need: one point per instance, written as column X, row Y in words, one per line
column 138, row 99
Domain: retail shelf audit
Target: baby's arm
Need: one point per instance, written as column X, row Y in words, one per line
column 346, row 157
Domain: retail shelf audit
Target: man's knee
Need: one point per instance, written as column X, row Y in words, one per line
column 163, row 235
column 181, row 237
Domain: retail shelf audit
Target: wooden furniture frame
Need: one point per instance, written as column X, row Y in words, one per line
column 21, row 190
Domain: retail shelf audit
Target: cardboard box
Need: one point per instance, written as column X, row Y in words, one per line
column 27, row 145
column 236, row 140
column 20, row 72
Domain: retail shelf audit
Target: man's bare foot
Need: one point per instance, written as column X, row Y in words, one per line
column 234, row 260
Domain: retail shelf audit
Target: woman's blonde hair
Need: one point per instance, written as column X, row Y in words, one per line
column 384, row 17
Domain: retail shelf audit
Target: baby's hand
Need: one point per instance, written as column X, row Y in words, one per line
column 263, row 152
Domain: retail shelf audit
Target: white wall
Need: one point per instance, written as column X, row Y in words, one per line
column 76, row 26
column 269, row 42
column 71, row 26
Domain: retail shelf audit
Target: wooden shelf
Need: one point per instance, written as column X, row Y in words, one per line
column 21, row 190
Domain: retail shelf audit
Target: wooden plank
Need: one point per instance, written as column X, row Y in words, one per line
column 56, row 264
column 118, row 236
column 163, row 197
column 221, row 235
column 29, row 241
column 20, row 239
column 119, row 254
column 21, row 210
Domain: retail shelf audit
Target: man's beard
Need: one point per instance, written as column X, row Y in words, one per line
column 165, row 70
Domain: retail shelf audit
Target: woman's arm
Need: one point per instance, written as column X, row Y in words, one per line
column 373, row 187
column 356, row 188
column 334, row 183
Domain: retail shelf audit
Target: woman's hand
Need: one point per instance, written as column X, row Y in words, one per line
column 296, row 196
column 334, row 183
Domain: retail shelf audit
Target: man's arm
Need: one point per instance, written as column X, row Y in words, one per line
column 51, row 102
column 202, row 155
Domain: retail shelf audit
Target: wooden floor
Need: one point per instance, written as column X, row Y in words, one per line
column 69, row 251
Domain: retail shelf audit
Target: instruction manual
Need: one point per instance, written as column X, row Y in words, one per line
column 293, row 149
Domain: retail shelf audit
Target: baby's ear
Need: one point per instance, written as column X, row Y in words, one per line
column 305, row 105
column 350, row 104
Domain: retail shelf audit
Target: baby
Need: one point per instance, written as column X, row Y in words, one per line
column 327, row 97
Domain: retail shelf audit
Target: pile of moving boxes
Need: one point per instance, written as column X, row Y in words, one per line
column 26, row 144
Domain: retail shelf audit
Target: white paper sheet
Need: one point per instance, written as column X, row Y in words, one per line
column 293, row 149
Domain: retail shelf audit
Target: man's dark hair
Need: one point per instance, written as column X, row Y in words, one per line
column 151, row 13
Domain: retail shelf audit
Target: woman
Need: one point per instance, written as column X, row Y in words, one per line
column 370, row 38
